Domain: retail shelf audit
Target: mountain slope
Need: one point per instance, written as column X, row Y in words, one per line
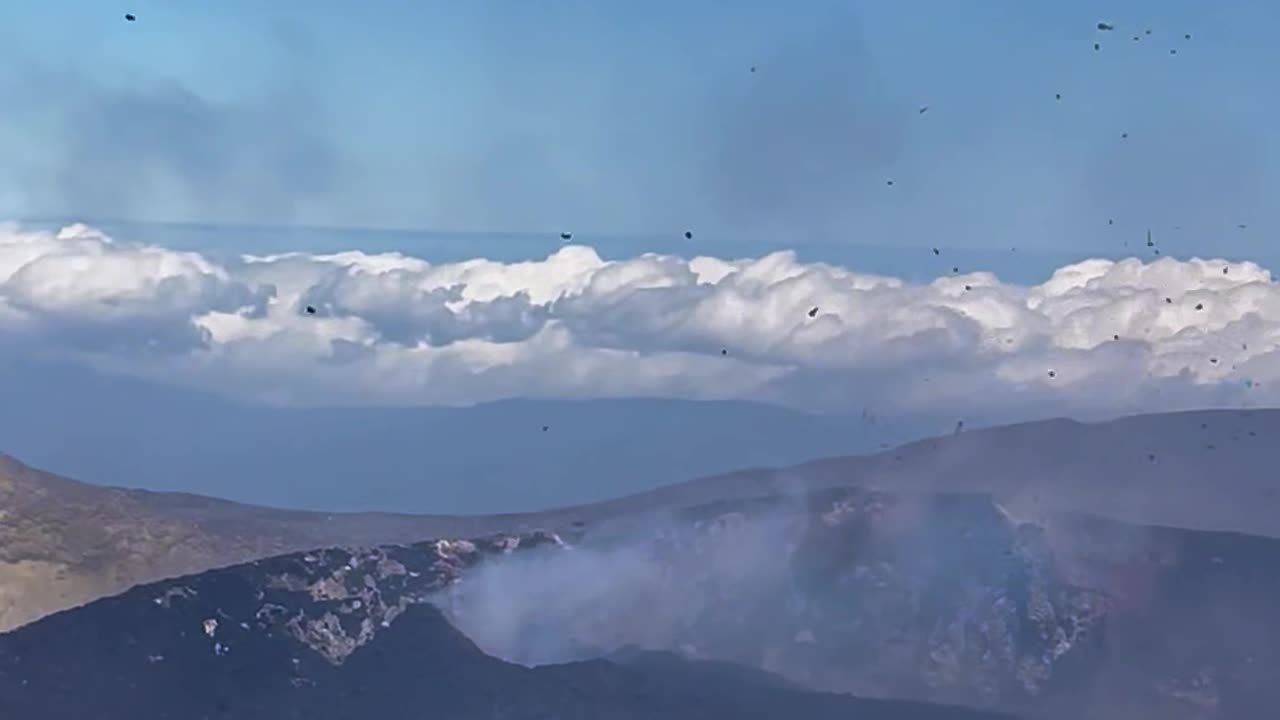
column 343, row 634
column 938, row 598
column 1205, row 470
column 742, row 609
column 63, row 543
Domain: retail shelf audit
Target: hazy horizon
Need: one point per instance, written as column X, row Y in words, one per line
column 149, row 358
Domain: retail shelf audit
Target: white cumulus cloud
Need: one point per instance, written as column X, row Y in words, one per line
column 1099, row 336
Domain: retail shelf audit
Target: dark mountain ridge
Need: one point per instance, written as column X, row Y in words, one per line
column 1198, row 469
column 294, row 637
column 945, row 598
column 802, row 604
column 63, row 542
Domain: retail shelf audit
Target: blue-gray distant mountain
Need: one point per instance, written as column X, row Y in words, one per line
column 484, row 459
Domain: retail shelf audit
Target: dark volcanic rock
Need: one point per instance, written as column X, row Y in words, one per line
column 773, row 607
column 939, row 598
column 64, row 543
column 345, row 634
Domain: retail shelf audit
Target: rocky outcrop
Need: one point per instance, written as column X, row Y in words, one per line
column 947, row 599
column 348, row 633
column 951, row 600
column 64, row 543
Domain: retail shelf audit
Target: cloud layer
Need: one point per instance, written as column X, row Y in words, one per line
column 1098, row 337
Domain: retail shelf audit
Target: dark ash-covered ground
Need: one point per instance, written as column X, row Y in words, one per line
column 942, row 599
column 64, row 543
column 347, row 634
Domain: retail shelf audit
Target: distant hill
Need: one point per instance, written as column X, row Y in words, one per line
column 63, row 543
column 1203, row 470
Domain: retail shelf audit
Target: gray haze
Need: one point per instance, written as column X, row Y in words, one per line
column 160, row 148
column 483, row 459
column 616, row 120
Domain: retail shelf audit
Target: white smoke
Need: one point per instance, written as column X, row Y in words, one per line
column 644, row 590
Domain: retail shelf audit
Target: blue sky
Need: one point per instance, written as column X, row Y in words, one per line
column 487, row 128
column 644, row 119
